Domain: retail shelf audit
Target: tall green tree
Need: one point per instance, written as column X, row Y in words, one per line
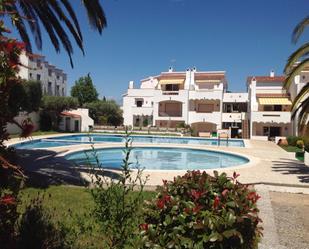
column 25, row 96
column 57, row 17
column 54, row 105
column 105, row 112
column 300, row 106
column 84, row 90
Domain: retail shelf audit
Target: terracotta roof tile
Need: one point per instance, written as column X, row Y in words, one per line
column 69, row 114
column 266, row 79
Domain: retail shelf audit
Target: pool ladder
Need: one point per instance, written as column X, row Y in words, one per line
column 227, row 140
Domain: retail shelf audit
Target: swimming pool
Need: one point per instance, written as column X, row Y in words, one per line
column 99, row 138
column 155, row 158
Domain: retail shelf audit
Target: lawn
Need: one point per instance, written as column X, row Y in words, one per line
column 38, row 133
column 71, row 207
column 298, row 152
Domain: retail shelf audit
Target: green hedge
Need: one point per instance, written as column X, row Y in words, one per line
column 201, row 211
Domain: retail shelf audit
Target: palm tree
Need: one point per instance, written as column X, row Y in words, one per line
column 296, row 63
column 56, row 16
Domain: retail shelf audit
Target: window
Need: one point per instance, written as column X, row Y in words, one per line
column 38, row 77
column 49, row 89
column 139, row 103
column 205, row 108
column 278, row 108
column 172, row 87
column 268, row 108
column 30, row 75
column 49, row 72
column 58, row 77
column 57, row 90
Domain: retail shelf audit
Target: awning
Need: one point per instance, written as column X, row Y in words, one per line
column 172, row 81
column 207, row 81
column 274, row 101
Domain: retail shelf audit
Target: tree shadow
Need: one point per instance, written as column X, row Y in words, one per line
column 44, row 168
column 289, row 166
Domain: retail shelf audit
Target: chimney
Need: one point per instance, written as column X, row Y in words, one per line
column 131, row 84
column 272, row 73
column 194, row 69
column 170, row 69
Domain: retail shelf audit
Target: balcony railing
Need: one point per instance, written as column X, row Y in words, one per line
column 170, row 114
column 170, row 92
column 278, row 117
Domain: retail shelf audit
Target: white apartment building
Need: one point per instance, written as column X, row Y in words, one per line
column 197, row 98
column 270, row 106
column 54, row 80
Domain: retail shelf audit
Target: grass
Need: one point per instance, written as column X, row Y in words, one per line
column 290, row 148
column 298, row 152
column 71, row 206
column 38, row 133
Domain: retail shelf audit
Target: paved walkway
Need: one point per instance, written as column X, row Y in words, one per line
column 270, row 169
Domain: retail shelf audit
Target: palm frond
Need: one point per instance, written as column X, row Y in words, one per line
column 56, row 7
column 47, row 25
column 71, row 12
column 299, row 29
column 95, row 14
column 301, row 52
column 32, row 22
column 18, row 22
column 296, row 71
column 63, row 37
column 303, row 114
column 300, row 96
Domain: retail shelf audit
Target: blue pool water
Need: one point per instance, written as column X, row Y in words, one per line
column 97, row 138
column 155, row 158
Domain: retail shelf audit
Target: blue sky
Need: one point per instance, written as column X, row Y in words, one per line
column 145, row 37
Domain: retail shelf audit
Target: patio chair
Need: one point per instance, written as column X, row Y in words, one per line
column 204, row 134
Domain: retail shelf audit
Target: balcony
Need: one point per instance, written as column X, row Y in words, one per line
column 212, row 117
column 206, row 94
column 144, row 110
column 271, row 117
column 170, row 92
column 234, row 117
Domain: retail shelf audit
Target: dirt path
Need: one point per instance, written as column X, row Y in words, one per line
column 291, row 212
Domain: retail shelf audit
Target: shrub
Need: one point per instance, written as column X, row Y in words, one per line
column 300, row 144
column 118, row 202
column 145, row 122
column 292, row 140
column 37, row 230
column 45, row 121
column 200, row 211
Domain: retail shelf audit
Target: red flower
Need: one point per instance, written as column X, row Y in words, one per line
column 235, row 175
column 167, row 198
column 253, row 196
column 144, row 226
column 224, row 192
column 216, row 202
column 196, row 194
column 160, row 204
column 8, row 200
column 196, row 209
column 187, row 210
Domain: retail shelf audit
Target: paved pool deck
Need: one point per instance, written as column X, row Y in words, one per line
column 270, row 168
column 269, row 164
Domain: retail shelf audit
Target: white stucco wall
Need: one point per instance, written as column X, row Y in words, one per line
column 86, row 121
column 14, row 129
